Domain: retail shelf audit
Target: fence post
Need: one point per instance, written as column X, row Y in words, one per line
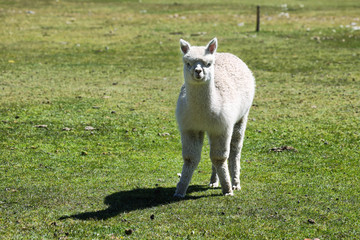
column 257, row 18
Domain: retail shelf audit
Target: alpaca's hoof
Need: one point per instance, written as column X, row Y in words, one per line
column 229, row 194
column 214, row 185
column 236, row 187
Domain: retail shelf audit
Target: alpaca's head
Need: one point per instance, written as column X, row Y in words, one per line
column 198, row 61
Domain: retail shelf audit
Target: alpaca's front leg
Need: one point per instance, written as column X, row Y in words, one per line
column 191, row 150
column 219, row 153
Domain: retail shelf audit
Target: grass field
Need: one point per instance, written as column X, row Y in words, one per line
column 89, row 147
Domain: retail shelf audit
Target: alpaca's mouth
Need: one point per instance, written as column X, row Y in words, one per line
column 198, row 76
column 200, row 80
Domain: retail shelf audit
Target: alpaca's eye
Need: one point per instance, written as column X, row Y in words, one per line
column 208, row 65
column 188, row 65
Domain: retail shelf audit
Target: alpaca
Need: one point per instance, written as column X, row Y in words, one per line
column 216, row 98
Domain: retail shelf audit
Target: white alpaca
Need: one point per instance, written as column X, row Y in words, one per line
column 216, row 98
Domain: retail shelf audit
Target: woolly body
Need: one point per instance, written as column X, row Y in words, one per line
column 219, row 107
column 216, row 98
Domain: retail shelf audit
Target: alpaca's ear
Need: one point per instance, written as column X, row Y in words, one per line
column 212, row 46
column 184, row 46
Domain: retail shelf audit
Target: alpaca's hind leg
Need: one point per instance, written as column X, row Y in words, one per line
column 191, row 149
column 214, row 180
column 219, row 153
column 235, row 151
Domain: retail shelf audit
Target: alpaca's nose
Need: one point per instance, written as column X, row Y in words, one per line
column 198, row 71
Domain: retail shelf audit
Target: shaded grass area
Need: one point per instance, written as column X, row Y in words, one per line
column 115, row 66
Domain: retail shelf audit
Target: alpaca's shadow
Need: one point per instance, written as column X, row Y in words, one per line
column 128, row 201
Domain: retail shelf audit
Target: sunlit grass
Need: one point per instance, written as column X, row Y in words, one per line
column 115, row 66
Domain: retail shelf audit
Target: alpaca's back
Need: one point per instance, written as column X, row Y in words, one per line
column 234, row 81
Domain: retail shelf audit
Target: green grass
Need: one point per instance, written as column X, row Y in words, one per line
column 116, row 66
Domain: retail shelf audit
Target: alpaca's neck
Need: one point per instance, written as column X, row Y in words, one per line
column 201, row 96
